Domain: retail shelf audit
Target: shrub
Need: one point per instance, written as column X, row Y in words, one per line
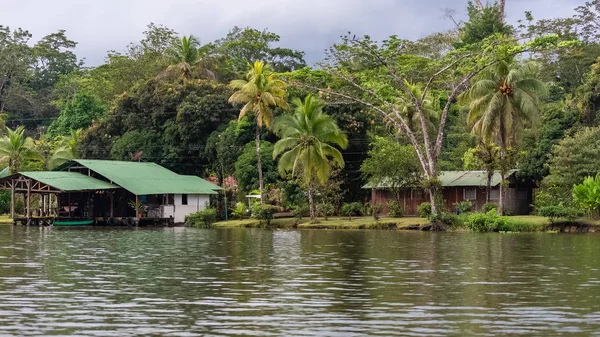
column 488, row 206
column 376, row 211
column 492, row 222
column 587, row 195
column 463, row 207
column 202, row 219
column 559, row 211
column 366, row 209
column 395, row 210
column 424, row 210
column 299, row 211
column 264, row 212
column 325, row 210
column 240, row 210
column 351, row 209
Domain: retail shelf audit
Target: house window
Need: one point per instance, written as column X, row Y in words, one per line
column 184, row 200
column 495, row 194
column 470, row 193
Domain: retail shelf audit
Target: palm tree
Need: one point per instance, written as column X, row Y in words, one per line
column 184, row 55
column 259, row 92
column 15, row 149
column 305, row 144
column 431, row 108
column 500, row 102
column 66, row 150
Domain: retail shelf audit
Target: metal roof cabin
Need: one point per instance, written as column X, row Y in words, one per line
column 86, row 191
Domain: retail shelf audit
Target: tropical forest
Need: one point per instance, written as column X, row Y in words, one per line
column 519, row 100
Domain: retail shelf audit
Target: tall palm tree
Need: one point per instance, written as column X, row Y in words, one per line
column 305, row 144
column 259, row 92
column 16, row 148
column 184, row 54
column 500, row 102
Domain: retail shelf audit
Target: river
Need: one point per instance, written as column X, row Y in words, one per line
column 252, row 282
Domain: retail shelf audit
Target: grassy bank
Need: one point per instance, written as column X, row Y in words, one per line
column 331, row 223
column 5, row 220
column 525, row 223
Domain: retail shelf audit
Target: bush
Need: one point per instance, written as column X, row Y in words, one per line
column 492, row 222
column 559, row 211
column 488, row 206
column 424, row 210
column 240, row 210
column 351, row 209
column 264, row 212
column 4, row 202
column 366, row 209
column 202, row 219
column 463, row 207
column 395, row 210
column 325, row 210
column 376, row 211
column 299, row 211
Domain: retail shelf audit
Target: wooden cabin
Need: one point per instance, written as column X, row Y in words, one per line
column 460, row 186
column 107, row 192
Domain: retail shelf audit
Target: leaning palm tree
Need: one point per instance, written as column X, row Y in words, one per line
column 16, row 148
column 184, row 55
column 259, row 92
column 305, row 144
column 501, row 101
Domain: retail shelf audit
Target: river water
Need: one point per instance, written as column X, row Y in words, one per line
column 251, row 282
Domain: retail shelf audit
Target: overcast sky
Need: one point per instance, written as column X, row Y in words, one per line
column 308, row 25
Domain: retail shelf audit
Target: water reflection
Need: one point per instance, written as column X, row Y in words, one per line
column 187, row 282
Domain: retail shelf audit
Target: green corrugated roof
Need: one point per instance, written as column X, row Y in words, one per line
column 69, row 181
column 147, row 178
column 456, row 178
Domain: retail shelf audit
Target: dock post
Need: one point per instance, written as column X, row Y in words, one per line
column 12, row 199
column 28, row 200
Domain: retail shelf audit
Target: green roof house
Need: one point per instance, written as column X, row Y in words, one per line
column 104, row 191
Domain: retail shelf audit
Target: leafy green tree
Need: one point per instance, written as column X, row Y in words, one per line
column 223, row 146
column 78, row 113
column 53, row 57
column 66, row 149
column 484, row 21
column 184, row 55
column 392, row 164
column 246, row 172
column 502, row 99
column 574, row 158
column 16, row 149
column 587, row 96
column 259, row 92
column 305, row 144
column 243, row 45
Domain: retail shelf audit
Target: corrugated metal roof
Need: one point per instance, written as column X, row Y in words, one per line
column 147, row 178
column 456, row 178
column 69, row 181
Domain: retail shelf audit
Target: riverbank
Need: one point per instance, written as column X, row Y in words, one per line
column 527, row 223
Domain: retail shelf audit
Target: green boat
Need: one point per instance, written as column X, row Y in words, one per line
column 73, row 222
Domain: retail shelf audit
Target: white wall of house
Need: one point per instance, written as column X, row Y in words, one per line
column 195, row 203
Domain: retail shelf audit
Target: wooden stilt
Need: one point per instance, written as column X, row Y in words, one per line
column 137, row 205
column 12, row 199
column 28, row 200
column 112, row 202
column 70, row 208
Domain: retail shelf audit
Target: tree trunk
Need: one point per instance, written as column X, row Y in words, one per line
column 501, row 6
column 503, row 163
column 259, row 166
column 311, row 202
column 488, row 187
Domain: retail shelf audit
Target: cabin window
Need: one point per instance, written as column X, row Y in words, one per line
column 495, row 194
column 470, row 193
column 184, row 200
